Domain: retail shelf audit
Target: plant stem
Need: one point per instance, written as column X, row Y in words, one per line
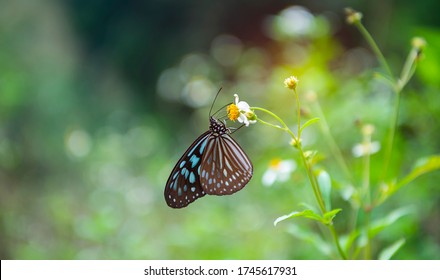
column 408, row 69
column 298, row 109
column 284, row 128
column 336, row 239
column 391, row 135
column 311, row 176
column 312, row 180
column 332, row 143
column 367, row 229
column 367, row 193
column 407, row 72
column 375, row 48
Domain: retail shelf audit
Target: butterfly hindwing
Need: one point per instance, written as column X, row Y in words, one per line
column 225, row 168
column 183, row 185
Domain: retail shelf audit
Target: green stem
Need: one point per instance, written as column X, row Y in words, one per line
column 375, row 48
column 367, row 229
column 408, row 69
column 312, row 179
column 298, row 109
column 285, row 127
column 366, row 173
column 272, row 125
column 407, row 72
column 367, row 193
column 391, row 135
column 313, row 182
column 331, row 141
column 336, row 239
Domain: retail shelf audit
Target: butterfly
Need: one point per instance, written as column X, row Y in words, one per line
column 214, row 164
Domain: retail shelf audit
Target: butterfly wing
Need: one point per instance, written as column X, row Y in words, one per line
column 225, row 167
column 183, row 185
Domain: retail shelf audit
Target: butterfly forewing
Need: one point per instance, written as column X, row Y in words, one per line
column 183, row 185
column 225, row 168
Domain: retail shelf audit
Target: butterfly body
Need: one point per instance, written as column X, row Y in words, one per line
column 214, row 164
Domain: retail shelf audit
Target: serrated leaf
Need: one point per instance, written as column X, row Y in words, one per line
column 422, row 166
column 330, row 215
column 389, row 251
column 306, row 214
column 307, row 123
column 325, row 185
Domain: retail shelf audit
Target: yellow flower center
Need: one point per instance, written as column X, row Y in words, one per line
column 233, row 112
column 275, row 163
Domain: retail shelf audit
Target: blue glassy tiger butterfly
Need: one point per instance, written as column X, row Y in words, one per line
column 214, row 164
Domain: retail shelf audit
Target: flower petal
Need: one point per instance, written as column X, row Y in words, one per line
column 236, row 99
column 269, row 177
column 243, row 106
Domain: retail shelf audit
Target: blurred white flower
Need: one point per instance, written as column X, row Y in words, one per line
column 363, row 149
column 278, row 171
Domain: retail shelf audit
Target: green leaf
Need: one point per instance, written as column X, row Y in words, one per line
column 348, row 240
column 389, row 251
column 307, row 123
column 325, row 185
column 309, row 236
column 330, row 215
column 306, row 214
column 380, row 224
column 423, row 166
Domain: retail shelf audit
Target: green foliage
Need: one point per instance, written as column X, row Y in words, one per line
column 326, row 219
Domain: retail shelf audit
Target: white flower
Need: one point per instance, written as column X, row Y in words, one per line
column 363, row 149
column 241, row 111
column 278, row 171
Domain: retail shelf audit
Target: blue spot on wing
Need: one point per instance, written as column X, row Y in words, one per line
column 194, row 160
column 202, row 147
column 203, row 143
column 192, row 178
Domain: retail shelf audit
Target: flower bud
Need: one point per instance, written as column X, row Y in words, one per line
column 352, row 16
column 291, row 82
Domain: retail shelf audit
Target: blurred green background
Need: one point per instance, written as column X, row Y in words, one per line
column 99, row 99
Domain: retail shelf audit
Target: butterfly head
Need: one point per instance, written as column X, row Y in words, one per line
column 216, row 126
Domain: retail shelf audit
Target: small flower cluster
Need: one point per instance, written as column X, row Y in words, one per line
column 291, row 82
column 241, row 111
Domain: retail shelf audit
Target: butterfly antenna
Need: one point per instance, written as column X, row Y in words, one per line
column 212, row 105
column 216, row 112
column 236, row 129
